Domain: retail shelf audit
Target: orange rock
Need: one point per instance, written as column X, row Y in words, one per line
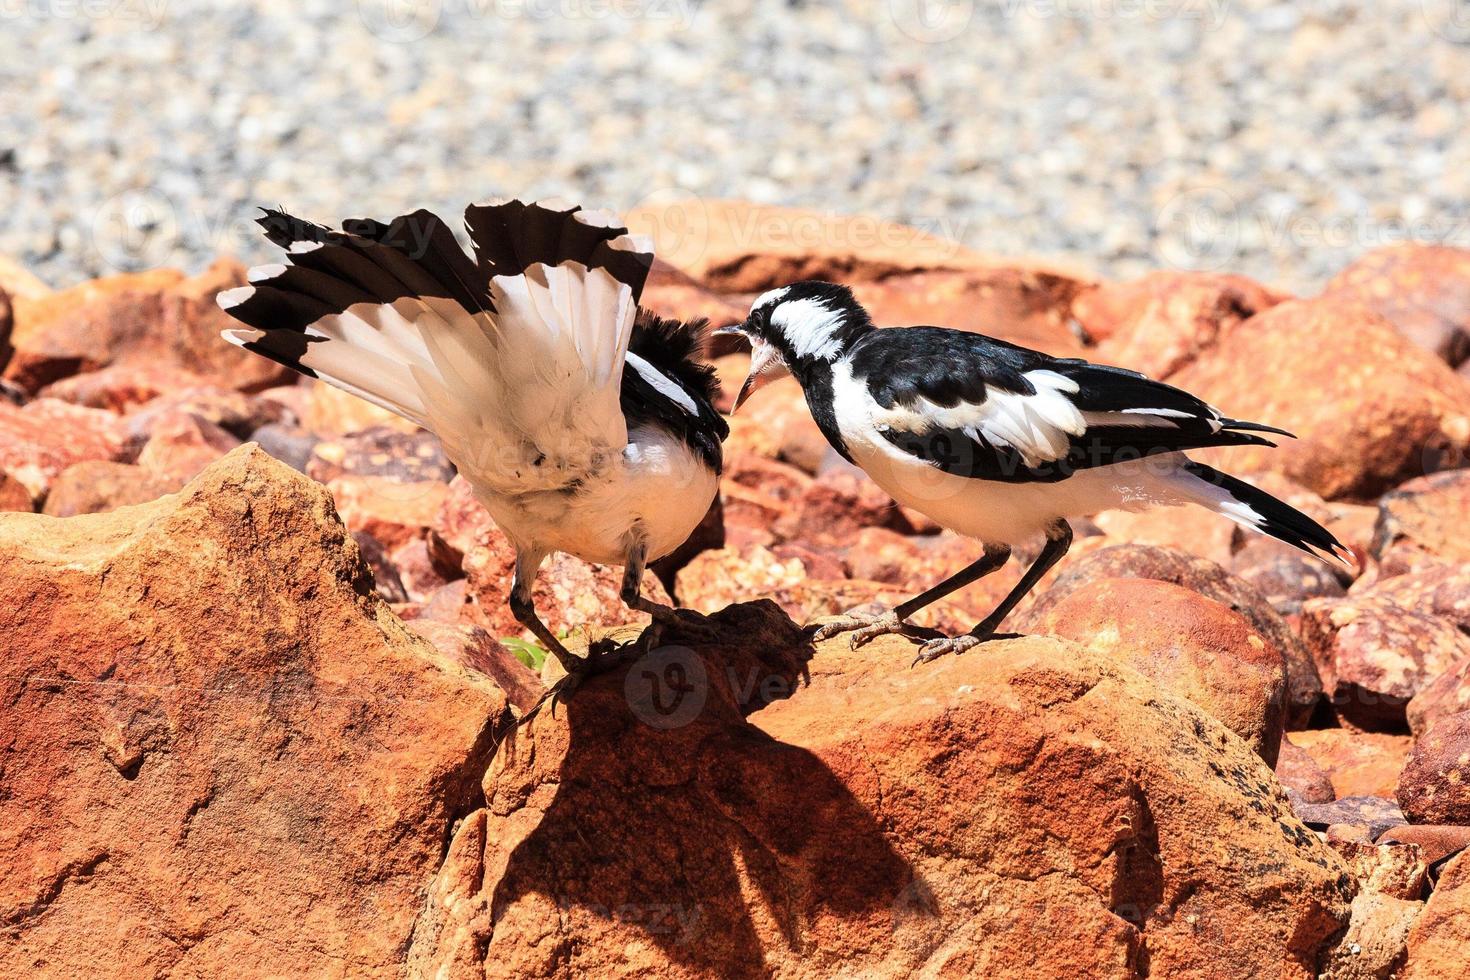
column 382, row 451
column 1284, row 575
column 777, row 424
column 99, row 485
column 1300, row 774
column 1189, row 529
column 416, row 568
column 716, row 579
column 835, row 506
column 1304, row 688
column 672, row 293
column 204, row 704
column 1422, row 523
column 473, row 649
column 1436, row 946
column 151, row 318
column 1441, row 590
column 395, row 513
column 1161, row 322
column 1435, row 784
column 180, row 445
column 944, row 821
column 1376, row 412
column 14, row 495
column 570, row 594
column 1373, row 656
column 1358, row 763
column 1191, row 646
column 41, row 439
column 461, row 524
column 1423, row 290
column 120, row 387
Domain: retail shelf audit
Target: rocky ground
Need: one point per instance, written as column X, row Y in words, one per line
column 1278, row 138
column 259, row 694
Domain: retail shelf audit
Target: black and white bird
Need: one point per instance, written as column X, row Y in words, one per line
column 998, row 442
column 582, row 422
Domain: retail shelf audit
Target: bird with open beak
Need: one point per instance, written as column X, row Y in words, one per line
column 997, row 442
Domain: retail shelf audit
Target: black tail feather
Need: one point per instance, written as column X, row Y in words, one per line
column 1275, row 517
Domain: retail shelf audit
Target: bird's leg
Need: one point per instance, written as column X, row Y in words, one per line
column 524, row 610
column 1058, row 540
column 686, row 621
column 865, row 628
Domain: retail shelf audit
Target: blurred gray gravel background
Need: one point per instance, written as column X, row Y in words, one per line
column 1274, row 139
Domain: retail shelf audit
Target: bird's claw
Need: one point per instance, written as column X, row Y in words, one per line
column 687, row 624
column 945, row 645
column 868, row 627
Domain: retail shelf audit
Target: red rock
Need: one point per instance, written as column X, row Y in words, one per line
column 381, row 451
column 180, row 445
column 1442, row 591
column 1189, row 529
column 1373, row 656
column 1304, row 687
column 1436, row 841
column 1422, row 524
column 1163, row 321
column 120, row 387
column 416, row 568
column 1285, row 576
column 1373, row 414
column 1352, row 818
column 385, row 575
column 570, row 594
column 461, row 524
column 204, row 704
column 716, row 579
column 1423, row 290
column 818, row 564
column 1395, row 869
column 1358, row 763
column 1435, row 784
column 835, row 506
column 1193, row 647
column 450, row 603
column 236, row 412
column 14, row 495
column 394, row 513
column 1436, row 945
column 1447, row 694
column 154, row 318
column 41, row 439
column 1376, row 939
column 1300, row 774
column 99, row 485
column 473, row 649
column 949, row 821
column 1024, row 303
column 670, row 292
column 776, row 424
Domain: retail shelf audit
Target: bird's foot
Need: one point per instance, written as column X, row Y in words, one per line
column 945, row 645
column 603, row 656
column 866, row 627
column 683, row 624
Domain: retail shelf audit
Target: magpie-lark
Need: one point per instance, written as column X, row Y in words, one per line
column 582, row 421
column 998, row 442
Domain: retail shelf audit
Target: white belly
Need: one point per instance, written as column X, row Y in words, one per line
column 658, row 488
column 992, row 511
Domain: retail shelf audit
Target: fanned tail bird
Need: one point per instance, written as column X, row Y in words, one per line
column 998, row 442
column 582, row 421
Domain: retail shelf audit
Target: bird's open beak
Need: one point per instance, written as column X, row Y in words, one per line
column 766, row 366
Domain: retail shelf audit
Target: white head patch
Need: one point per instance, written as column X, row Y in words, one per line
column 808, row 325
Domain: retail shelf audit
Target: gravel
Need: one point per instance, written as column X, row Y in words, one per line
column 1274, row 139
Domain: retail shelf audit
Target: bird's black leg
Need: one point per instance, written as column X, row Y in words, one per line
column 1058, row 540
column 685, row 621
column 524, row 611
column 865, row 628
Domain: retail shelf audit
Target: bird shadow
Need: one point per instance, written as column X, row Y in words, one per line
column 668, row 817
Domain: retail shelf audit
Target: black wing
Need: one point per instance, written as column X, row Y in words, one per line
column 665, row 353
column 986, row 409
